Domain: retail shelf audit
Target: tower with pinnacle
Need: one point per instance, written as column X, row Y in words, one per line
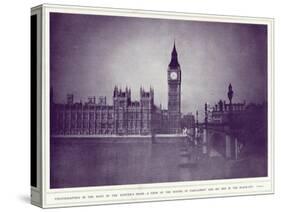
column 174, row 92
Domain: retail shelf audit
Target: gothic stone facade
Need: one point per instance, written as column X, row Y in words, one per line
column 125, row 116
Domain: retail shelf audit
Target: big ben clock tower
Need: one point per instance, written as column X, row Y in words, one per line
column 174, row 93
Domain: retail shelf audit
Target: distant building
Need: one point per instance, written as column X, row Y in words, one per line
column 134, row 117
column 125, row 116
column 188, row 121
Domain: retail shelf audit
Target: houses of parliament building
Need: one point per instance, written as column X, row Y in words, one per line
column 125, row 116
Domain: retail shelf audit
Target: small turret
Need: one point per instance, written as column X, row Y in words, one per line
column 197, row 122
column 206, row 113
column 115, row 92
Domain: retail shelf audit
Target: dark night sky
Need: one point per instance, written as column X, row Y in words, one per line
column 91, row 54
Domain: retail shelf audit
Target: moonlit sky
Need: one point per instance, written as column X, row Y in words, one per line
column 91, row 54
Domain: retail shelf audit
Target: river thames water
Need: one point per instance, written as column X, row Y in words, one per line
column 78, row 162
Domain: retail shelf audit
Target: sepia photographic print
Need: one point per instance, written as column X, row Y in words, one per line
column 154, row 100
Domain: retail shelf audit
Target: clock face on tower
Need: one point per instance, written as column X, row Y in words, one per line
column 173, row 75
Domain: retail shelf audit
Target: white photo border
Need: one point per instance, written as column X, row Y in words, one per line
column 80, row 196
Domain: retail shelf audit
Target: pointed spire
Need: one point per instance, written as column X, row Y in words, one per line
column 174, row 52
column 197, row 117
column 115, row 91
column 174, row 57
column 141, row 91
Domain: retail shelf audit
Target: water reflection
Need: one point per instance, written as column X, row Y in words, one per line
column 98, row 161
column 78, row 162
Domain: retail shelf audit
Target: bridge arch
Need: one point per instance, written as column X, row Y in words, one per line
column 217, row 144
